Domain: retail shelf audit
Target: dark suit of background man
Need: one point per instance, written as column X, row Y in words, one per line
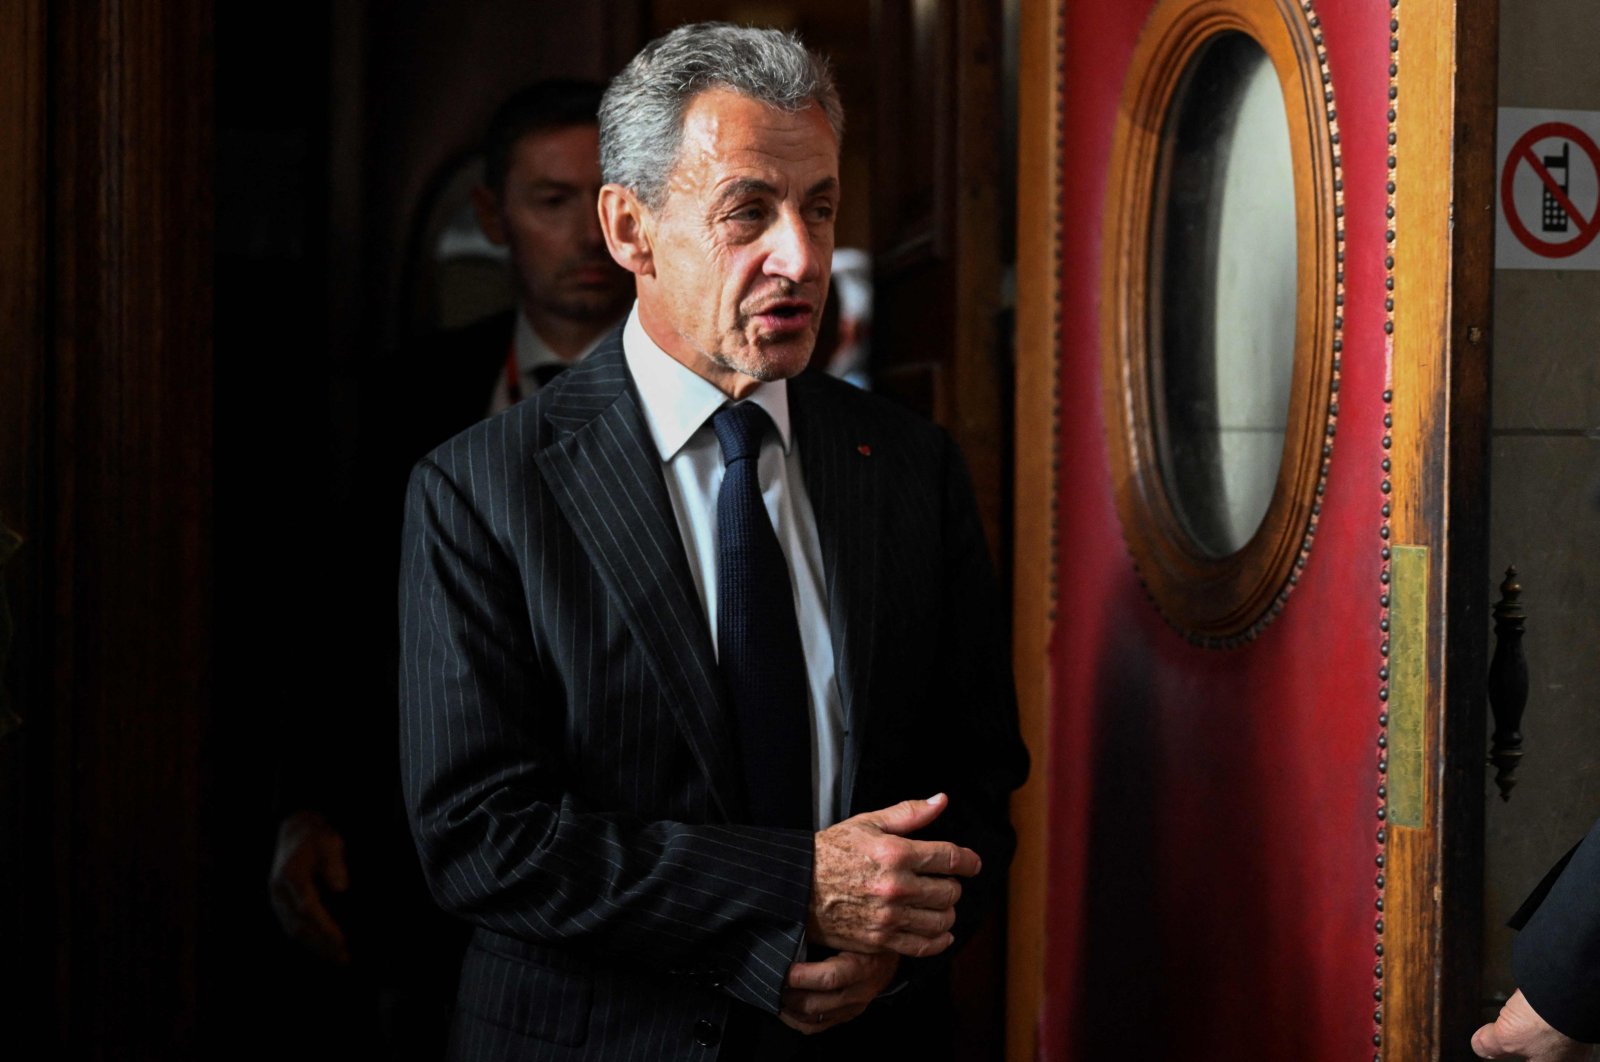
column 589, row 778
column 344, row 880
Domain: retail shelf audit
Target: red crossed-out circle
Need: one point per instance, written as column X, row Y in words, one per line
column 1522, row 152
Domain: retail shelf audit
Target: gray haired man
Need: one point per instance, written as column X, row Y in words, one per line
column 691, row 636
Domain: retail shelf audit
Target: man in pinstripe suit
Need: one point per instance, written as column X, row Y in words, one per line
column 578, row 778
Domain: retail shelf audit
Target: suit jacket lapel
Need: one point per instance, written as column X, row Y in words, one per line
column 604, row 473
column 843, row 486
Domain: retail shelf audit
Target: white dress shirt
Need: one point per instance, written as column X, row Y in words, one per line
column 678, row 405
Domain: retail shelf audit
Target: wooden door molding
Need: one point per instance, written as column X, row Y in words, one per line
column 915, row 122
column 1038, row 411
column 105, row 417
column 23, row 387
column 1219, row 600
column 1439, row 270
column 936, row 215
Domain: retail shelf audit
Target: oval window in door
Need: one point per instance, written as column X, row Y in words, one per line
column 1219, row 325
column 1222, row 293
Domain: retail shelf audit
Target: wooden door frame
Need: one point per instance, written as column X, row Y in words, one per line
column 1439, row 397
column 105, row 421
column 1037, row 428
column 1441, row 167
column 23, row 388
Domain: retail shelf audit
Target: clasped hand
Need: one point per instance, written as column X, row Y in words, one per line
column 876, row 895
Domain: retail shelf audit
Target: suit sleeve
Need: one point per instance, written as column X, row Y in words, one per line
column 1556, row 957
column 503, row 840
column 982, row 748
column 972, row 747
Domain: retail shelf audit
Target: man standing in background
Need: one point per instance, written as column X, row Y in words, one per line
column 541, row 176
column 343, row 865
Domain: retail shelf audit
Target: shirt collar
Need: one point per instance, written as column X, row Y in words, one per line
column 533, row 351
column 677, row 401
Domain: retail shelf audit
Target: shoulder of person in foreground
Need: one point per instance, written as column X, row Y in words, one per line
column 1556, row 956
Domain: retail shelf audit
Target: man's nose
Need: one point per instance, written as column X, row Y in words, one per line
column 792, row 251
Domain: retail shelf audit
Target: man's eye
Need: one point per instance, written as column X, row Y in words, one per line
column 822, row 212
column 550, row 202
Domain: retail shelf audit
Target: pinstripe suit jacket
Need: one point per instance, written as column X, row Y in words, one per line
column 569, row 767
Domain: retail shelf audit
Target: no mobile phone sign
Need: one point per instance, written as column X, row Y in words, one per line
column 1548, row 190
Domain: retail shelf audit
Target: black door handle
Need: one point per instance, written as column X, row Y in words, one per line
column 1508, row 683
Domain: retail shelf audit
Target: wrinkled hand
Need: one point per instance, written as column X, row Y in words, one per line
column 307, row 868
column 819, row 995
column 873, row 890
column 1519, row 1032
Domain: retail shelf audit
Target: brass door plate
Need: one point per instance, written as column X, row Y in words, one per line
column 1408, row 683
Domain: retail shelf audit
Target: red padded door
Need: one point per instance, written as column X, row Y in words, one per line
column 1218, row 855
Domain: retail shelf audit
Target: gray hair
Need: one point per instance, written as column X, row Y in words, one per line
column 641, row 115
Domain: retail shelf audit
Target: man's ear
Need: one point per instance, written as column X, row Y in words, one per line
column 487, row 206
column 627, row 225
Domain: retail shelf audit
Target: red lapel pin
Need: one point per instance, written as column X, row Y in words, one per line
column 864, row 450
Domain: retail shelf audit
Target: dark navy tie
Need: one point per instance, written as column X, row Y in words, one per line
column 758, row 638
